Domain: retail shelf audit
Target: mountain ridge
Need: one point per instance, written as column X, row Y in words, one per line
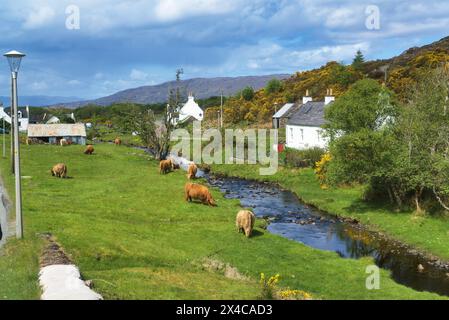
column 202, row 88
column 37, row 100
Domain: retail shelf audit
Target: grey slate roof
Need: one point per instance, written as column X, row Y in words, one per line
column 282, row 112
column 310, row 114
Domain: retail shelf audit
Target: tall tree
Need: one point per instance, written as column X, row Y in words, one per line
column 358, row 61
column 156, row 134
column 273, row 86
column 247, row 93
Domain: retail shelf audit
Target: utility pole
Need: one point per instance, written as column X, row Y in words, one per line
column 221, row 110
column 4, row 142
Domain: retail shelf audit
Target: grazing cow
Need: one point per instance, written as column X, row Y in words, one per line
column 198, row 192
column 191, row 172
column 118, row 141
column 59, row 170
column 174, row 165
column 245, row 222
column 165, row 166
column 89, row 150
column 63, row 143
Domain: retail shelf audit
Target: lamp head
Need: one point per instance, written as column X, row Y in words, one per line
column 14, row 59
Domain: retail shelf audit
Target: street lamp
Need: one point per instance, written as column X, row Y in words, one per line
column 14, row 59
column 3, row 143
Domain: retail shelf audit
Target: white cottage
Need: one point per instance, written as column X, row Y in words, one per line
column 191, row 110
column 23, row 117
column 304, row 127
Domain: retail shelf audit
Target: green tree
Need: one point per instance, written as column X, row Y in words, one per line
column 402, row 153
column 248, row 93
column 358, row 61
column 366, row 105
column 153, row 133
column 360, row 126
column 273, row 86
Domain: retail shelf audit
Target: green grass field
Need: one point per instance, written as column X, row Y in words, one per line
column 130, row 230
column 429, row 234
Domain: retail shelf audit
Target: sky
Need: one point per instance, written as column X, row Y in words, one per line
column 89, row 49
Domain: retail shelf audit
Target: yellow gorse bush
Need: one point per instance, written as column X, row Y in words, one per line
column 271, row 282
column 295, row 295
column 321, row 169
column 271, row 291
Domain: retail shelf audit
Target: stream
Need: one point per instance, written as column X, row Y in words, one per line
column 290, row 218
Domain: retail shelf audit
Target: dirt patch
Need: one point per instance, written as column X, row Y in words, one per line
column 53, row 253
column 230, row 272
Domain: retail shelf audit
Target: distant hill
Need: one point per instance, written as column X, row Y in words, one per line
column 201, row 87
column 37, row 101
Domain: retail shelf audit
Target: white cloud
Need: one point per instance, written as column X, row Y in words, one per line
column 344, row 17
column 271, row 57
column 138, row 75
column 39, row 18
column 171, row 10
column 74, row 82
column 39, row 86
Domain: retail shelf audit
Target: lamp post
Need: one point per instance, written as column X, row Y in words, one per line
column 14, row 59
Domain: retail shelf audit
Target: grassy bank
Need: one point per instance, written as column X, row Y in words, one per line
column 429, row 234
column 130, row 230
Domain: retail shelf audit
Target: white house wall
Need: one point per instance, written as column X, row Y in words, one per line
column 304, row 137
column 23, row 126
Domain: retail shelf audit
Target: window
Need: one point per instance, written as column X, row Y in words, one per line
column 302, row 134
column 291, row 133
column 318, row 133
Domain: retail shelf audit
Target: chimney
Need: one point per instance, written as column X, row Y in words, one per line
column 306, row 98
column 329, row 97
column 28, row 112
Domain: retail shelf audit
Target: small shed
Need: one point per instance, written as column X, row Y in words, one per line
column 53, row 133
column 281, row 117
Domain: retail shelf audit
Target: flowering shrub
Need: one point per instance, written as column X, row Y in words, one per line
column 321, row 169
column 295, row 295
column 269, row 286
column 270, row 290
column 302, row 158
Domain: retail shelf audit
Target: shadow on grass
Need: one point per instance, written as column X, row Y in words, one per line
column 257, row 233
column 364, row 206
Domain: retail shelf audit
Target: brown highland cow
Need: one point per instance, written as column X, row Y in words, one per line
column 245, row 222
column 89, row 150
column 195, row 191
column 192, row 171
column 165, row 166
column 59, row 170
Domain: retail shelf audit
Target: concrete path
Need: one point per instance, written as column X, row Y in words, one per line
column 4, row 227
column 63, row 282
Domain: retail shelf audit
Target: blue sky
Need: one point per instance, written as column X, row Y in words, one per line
column 128, row 43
